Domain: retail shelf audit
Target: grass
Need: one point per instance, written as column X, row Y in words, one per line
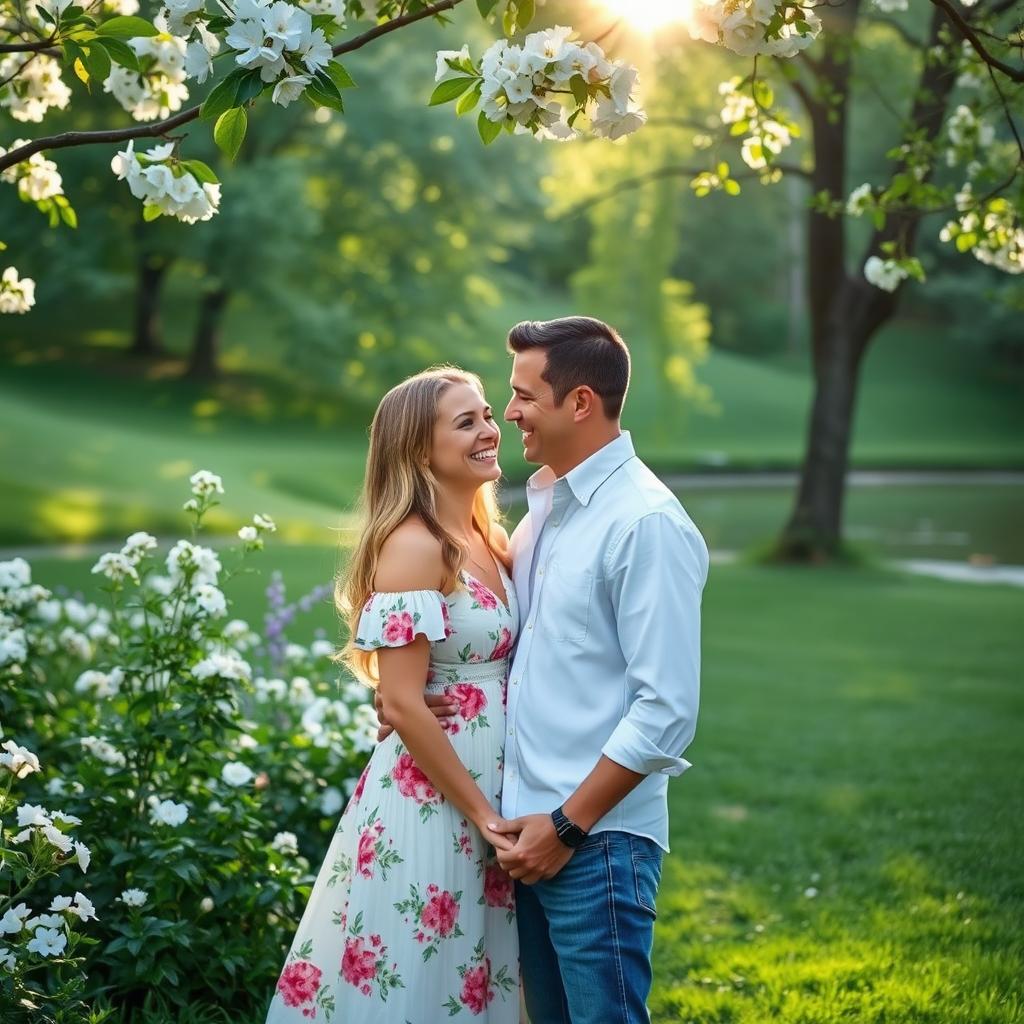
column 92, row 447
column 847, row 845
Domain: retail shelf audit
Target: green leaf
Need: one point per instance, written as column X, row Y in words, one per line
column 525, row 11
column 250, row 85
column 150, row 212
column 222, row 96
column 489, row 130
column 127, row 27
column 508, row 19
column 878, row 217
column 468, row 100
column 201, row 172
column 579, row 90
column 485, row 7
column 322, row 92
column 229, row 131
column 72, row 51
column 732, row 186
column 763, row 95
column 98, row 61
column 121, row 53
column 447, row 91
column 339, row 76
column 81, row 71
column 69, row 216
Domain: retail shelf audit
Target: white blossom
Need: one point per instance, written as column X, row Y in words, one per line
column 81, row 906
column 286, row 843
column 83, row 855
column 264, row 523
column 204, row 483
column 100, row 684
column 133, row 897
column 34, row 89
column 859, row 200
column 225, row 665
column 206, row 904
column 891, row 6
column 234, row 773
column 14, row 920
column 7, row 959
column 37, row 178
column 210, row 599
column 116, row 567
column 248, row 534
column 170, row 187
column 331, row 801
column 103, row 751
column 48, row 942
column 286, row 91
column 138, row 545
column 884, row 274
column 201, row 562
column 17, row 294
column 167, row 812
column 20, row 761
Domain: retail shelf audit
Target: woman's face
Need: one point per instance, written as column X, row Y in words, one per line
column 464, row 452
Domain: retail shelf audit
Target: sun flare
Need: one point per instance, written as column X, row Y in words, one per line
column 650, row 15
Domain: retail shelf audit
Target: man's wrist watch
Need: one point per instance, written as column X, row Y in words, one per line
column 569, row 833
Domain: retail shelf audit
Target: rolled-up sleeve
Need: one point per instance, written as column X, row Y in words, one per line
column 656, row 573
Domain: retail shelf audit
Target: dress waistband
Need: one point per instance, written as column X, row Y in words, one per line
column 468, row 671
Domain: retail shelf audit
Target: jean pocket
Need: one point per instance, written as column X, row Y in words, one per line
column 646, row 856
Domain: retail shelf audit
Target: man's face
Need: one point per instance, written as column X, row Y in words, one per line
column 546, row 428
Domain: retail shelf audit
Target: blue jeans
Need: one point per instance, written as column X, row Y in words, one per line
column 585, row 936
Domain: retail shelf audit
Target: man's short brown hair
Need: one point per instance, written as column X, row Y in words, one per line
column 580, row 351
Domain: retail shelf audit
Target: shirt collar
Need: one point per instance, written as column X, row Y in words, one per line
column 584, row 479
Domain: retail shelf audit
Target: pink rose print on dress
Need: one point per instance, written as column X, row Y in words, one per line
column 299, row 983
column 476, row 988
column 398, row 629
column 498, row 888
column 367, row 853
column 440, row 912
column 471, row 699
column 446, row 619
column 359, row 964
column 503, row 648
column 483, row 597
column 411, row 781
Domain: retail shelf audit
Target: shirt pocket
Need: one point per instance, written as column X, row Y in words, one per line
column 565, row 608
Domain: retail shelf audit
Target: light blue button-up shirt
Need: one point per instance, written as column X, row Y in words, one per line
column 609, row 571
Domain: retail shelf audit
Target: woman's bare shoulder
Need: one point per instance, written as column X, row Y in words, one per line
column 410, row 559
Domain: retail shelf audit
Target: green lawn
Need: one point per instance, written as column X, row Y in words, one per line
column 90, row 446
column 847, row 844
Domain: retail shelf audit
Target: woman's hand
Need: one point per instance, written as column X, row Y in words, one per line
column 441, row 705
column 497, row 831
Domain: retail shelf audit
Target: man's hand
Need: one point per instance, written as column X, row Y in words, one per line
column 538, row 854
column 442, row 705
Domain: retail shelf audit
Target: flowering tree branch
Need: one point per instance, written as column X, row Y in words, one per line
column 962, row 26
column 160, row 128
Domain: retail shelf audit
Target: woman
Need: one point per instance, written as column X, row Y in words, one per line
column 411, row 919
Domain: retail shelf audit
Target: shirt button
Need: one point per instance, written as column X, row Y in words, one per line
column 529, row 625
column 540, row 572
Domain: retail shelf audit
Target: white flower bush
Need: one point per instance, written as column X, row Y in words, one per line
column 217, row 761
column 35, row 846
column 185, row 189
column 753, row 27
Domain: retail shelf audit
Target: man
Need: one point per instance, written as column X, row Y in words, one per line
column 604, row 684
column 603, row 691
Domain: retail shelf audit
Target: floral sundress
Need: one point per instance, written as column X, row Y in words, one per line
column 411, row 920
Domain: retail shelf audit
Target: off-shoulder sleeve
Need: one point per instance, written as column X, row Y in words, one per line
column 395, row 619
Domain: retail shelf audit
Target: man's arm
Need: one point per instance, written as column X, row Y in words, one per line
column 656, row 575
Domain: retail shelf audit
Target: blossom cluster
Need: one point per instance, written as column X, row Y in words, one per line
column 32, row 87
column 158, row 89
column 166, row 184
column 518, row 85
column 17, row 294
column 990, row 228
column 766, row 136
column 37, row 178
column 752, row 27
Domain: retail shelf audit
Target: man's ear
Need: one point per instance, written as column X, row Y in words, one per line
column 584, row 403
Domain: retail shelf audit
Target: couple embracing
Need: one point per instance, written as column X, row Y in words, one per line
column 553, row 676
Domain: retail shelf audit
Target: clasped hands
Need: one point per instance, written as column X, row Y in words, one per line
column 537, row 853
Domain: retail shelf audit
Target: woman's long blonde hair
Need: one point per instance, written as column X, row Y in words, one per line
column 398, row 484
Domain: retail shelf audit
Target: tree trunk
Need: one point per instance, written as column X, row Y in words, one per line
column 147, row 339
column 203, row 360
column 846, row 311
